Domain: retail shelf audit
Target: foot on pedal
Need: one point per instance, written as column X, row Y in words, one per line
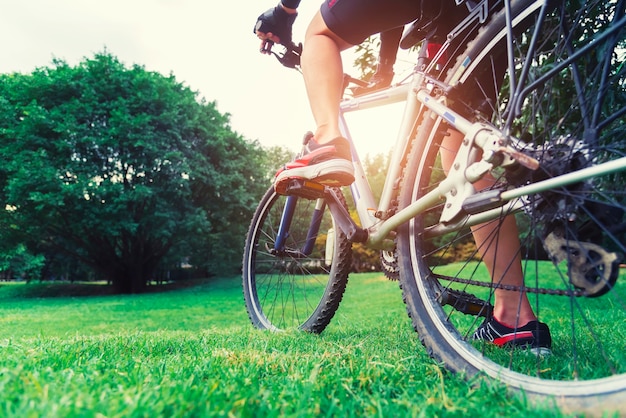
column 326, row 164
column 301, row 188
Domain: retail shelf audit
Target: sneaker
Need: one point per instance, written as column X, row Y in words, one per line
column 379, row 81
column 328, row 164
column 534, row 336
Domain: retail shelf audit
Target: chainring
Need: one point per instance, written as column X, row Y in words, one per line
column 589, row 266
column 389, row 263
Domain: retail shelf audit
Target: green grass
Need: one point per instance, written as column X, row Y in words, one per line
column 598, row 335
column 192, row 353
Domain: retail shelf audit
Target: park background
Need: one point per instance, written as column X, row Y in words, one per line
column 75, row 349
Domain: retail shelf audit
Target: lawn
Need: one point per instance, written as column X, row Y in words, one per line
column 191, row 352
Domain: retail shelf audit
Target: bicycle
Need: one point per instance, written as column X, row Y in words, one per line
column 557, row 166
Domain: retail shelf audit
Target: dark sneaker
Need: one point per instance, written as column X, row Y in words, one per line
column 329, row 164
column 534, row 336
column 379, row 81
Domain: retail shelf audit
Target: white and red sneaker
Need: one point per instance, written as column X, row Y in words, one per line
column 329, row 164
column 534, row 336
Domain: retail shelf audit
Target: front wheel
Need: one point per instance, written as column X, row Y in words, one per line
column 567, row 243
column 295, row 264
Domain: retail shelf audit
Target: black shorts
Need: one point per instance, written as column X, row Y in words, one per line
column 355, row 20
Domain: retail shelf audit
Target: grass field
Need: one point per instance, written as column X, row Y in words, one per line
column 192, row 353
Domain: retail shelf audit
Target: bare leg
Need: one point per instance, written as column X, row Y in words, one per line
column 323, row 77
column 500, row 251
column 501, row 255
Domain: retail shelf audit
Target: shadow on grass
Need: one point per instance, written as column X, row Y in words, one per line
column 21, row 290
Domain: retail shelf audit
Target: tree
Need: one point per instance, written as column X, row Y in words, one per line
column 19, row 262
column 367, row 57
column 120, row 167
column 364, row 258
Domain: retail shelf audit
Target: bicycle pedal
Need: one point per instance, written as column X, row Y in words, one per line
column 305, row 188
column 466, row 303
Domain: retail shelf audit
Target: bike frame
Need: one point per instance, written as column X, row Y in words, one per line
column 379, row 221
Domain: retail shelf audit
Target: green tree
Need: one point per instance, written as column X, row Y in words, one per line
column 367, row 57
column 363, row 258
column 18, row 262
column 274, row 158
column 120, row 167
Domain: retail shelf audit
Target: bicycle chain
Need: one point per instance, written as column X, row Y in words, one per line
column 540, row 291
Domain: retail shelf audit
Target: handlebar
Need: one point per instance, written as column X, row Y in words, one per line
column 289, row 56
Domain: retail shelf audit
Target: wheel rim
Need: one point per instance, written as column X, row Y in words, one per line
column 585, row 223
column 285, row 288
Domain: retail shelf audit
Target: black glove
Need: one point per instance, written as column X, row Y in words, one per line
column 278, row 22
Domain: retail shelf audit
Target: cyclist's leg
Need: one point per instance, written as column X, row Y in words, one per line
column 383, row 76
column 338, row 25
column 326, row 157
column 499, row 246
column 323, row 77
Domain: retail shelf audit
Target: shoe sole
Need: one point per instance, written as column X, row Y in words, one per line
column 334, row 173
column 540, row 351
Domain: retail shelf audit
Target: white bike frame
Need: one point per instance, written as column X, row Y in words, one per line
column 380, row 221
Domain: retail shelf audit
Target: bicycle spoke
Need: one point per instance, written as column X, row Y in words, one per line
column 563, row 107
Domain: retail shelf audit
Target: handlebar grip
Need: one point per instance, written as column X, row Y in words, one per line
column 267, row 47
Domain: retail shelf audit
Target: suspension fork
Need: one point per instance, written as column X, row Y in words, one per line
column 285, row 225
column 314, row 227
column 326, row 198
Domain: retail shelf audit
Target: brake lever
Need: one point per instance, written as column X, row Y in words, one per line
column 290, row 58
column 267, row 48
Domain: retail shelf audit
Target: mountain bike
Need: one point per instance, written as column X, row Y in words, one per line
column 516, row 113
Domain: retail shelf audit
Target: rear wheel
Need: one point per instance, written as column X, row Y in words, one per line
column 293, row 279
column 572, row 238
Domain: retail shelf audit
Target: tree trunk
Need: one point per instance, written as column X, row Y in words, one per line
column 131, row 278
column 129, row 284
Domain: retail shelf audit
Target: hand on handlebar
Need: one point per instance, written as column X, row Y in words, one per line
column 274, row 26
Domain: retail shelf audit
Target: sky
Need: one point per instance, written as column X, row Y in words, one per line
column 206, row 44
